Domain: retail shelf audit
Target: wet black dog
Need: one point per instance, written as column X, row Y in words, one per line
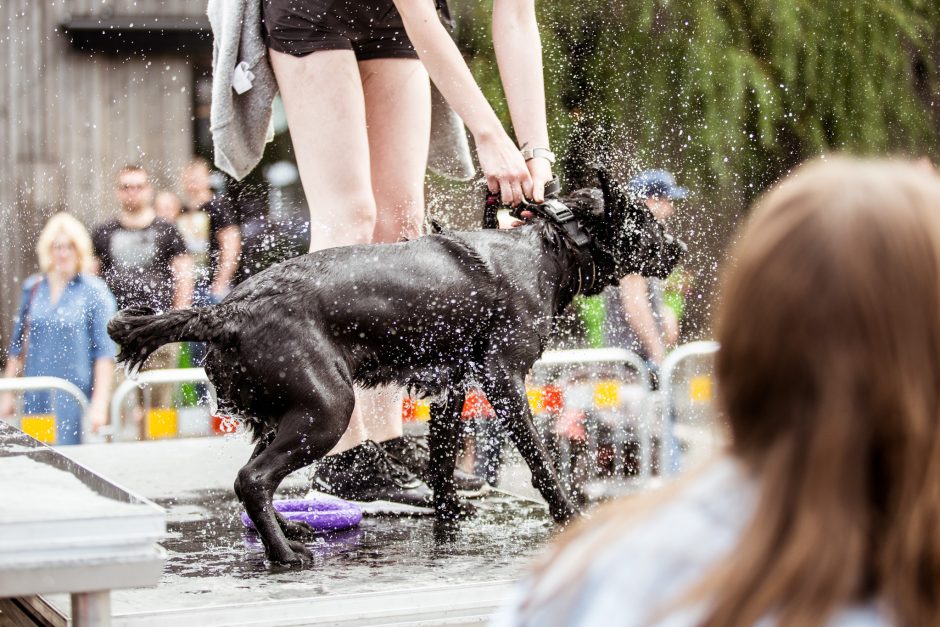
column 434, row 314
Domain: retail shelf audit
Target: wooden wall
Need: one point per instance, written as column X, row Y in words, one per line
column 69, row 119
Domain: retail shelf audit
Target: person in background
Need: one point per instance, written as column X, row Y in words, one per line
column 209, row 223
column 826, row 508
column 637, row 317
column 144, row 262
column 167, row 206
column 60, row 331
column 142, row 258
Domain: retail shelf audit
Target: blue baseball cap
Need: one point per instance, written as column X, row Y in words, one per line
column 657, row 183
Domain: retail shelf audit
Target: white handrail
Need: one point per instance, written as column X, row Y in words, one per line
column 613, row 355
column 667, row 371
column 31, row 384
column 156, row 377
column 594, row 356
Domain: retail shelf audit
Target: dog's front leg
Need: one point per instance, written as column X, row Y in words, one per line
column 505, row 391
column 442, row 442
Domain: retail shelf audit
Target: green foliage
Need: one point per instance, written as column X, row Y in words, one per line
column 730, row 90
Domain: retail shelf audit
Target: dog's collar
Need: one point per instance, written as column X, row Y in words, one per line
column 556, row 211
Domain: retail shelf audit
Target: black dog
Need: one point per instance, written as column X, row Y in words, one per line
column 434, row 314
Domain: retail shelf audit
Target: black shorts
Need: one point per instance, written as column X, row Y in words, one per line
column 372, row 29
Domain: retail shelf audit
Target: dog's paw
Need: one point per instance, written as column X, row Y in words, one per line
column 296, row 556
column 297, row 530
column 454, row 509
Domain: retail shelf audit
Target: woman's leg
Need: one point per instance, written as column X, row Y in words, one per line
column 398, row 117
column 323, row 100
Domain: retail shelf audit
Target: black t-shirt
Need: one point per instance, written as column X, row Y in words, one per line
column 222, row 213
column 136, row 263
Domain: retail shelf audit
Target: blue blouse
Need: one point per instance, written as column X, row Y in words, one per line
column 64, row 339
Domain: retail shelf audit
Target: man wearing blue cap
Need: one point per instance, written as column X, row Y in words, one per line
column 637, row 318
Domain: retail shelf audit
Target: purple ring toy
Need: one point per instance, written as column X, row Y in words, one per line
column 321, row 513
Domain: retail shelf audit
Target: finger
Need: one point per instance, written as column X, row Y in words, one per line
column 538, row 191
column 505, row 192
column 492, row 184
column 517, row 195
column 528, row 188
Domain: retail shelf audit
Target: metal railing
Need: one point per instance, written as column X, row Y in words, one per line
column 41, row 384
column 668, row 453
column 616, row 421
column 148, row 378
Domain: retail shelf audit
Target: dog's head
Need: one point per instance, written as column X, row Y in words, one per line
column 626, row 238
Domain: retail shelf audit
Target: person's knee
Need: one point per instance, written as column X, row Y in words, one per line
column 360, row 213
column 342, row 220
column 401, row 216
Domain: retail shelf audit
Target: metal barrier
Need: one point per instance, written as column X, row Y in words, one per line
column 34, row 384
column 668, row 462
column 606, row 410
column 149, row 378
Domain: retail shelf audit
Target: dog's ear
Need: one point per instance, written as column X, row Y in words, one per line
column 587, row 204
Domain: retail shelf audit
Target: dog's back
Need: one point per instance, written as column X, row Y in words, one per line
column 408, row 313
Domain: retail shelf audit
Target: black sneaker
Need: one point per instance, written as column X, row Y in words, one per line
column 412, row 452
column 369, row 477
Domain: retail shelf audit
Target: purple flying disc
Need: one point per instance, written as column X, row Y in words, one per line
column 321, row 513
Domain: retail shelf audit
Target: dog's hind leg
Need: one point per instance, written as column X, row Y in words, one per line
column 505, row 391
column 443, row 436
column 294, row 530
column 304, row 434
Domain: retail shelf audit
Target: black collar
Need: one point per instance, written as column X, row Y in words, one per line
column 557, row 212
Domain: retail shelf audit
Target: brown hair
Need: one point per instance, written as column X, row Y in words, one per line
column 131, row 167
column 829, row 376
column 829, row 372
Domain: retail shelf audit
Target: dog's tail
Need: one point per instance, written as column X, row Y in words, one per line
column 139, row 331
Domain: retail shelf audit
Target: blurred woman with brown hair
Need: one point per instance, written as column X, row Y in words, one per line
column 827, row 509
column 59, row 330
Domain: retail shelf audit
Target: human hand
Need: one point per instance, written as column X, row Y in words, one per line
column 505, row 169
column 540, row 170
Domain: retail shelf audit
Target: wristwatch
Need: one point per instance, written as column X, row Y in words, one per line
column 544, row 153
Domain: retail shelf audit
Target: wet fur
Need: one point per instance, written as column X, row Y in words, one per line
column 435, row 315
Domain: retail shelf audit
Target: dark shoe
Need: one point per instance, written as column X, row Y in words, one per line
column 375, row 481
column 412, row 452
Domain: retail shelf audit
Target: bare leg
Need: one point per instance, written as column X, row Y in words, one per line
column 322, row 94
column 398, row 114
column 330, row 103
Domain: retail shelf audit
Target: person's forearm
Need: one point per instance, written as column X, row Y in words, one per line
column 230, row 248
column 636, row 305
column 103, row 378
column 182, row 267
column 519, row 56
column 447, row 68
column 14, row 367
